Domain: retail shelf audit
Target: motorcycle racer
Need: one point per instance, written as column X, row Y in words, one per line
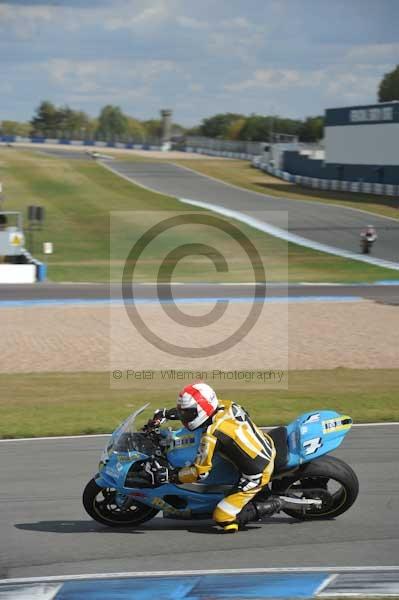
column 227, row 428
column 369, row 233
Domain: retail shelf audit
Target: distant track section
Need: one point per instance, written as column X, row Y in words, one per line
column 324, row 224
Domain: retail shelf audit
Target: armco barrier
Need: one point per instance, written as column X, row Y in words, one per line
column 221, row 153
column 64, row 141
column 364, row 187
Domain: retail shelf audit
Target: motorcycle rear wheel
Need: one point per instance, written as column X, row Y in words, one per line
column 328, row 479
column 101, row 506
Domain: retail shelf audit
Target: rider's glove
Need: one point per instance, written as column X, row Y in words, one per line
column 159, row 474
column 157, row 420
column 160, row 416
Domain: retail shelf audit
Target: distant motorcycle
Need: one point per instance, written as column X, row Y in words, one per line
column 310, row 484
column 367, row 239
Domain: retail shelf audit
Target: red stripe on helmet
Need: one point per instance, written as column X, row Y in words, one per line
column 200, row 399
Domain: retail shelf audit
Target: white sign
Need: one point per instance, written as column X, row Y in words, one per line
column 17, row 273
column 377, row 113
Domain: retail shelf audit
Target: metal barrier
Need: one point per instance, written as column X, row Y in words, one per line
column 13, row 139
column 363, row 187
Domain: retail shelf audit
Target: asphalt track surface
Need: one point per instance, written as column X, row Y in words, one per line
column 336, row 226
column 45, row 531
column 97, row 291
column 67, row 153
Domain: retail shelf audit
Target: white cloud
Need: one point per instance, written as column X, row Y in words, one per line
column 191, row 23
column 26, row 21
column 148, row 16
column 237, row 23
column 83, row 77
column 374, row 53
column 277, row 79
column 354, row 86
column 227, row 43
column 336, row 85
column 12, row 12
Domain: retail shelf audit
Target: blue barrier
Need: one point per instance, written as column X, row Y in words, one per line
column 8, row 138
column 41, row 271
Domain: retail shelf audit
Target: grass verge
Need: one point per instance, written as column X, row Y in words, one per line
column 33, row 405
column 242, row 174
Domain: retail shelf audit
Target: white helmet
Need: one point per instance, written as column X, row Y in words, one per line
column 195, row 404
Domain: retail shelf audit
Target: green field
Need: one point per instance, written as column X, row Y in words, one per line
column 242, row 174
column 49, row 404
column 79, row 195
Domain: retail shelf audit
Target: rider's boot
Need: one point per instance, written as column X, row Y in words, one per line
column 231, row 527
column 254, row 511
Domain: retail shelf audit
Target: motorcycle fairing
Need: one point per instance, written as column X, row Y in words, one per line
column 314, row 434
column 311, row 435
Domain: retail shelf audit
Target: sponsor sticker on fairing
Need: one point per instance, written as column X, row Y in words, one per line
column 336, row 424
column 315, row 418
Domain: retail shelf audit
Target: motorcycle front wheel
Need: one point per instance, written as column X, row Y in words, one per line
column 100, row 504
column 327, row 479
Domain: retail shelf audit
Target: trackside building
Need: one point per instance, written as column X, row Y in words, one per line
column 361, row 144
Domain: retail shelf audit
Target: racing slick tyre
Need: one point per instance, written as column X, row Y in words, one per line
column 102, row 506
column 328, row 479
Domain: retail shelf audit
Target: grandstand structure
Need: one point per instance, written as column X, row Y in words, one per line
column 361, row 144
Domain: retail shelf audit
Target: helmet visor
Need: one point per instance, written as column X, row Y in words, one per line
column 186, row 415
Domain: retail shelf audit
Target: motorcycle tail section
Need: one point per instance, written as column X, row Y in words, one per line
column 314, row 434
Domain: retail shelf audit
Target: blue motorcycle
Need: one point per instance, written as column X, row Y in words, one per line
column 311, row 484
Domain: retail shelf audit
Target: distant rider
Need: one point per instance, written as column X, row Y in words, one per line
column 228, row 429
column 369, row 233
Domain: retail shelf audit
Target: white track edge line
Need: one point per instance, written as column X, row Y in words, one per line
column 249, row 571
column 98, row 435
column 358, row 595
column 325, row 584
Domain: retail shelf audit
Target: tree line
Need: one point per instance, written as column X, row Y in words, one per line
column 259, row 128
column 112, row 125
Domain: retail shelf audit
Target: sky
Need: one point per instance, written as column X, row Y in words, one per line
column 292, row 58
